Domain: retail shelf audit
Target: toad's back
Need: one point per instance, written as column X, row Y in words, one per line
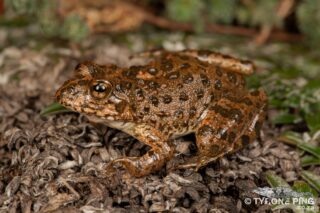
column 172, row 92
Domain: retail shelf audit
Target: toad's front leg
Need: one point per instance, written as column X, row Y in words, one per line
column 161, row 151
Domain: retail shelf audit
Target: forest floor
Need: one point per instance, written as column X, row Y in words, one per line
column 53, row 163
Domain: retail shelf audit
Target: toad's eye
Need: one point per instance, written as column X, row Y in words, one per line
column 100, row 89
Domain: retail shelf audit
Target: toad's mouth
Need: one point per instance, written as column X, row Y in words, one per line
column 96, row 119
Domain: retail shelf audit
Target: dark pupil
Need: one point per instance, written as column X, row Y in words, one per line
column 99, row 88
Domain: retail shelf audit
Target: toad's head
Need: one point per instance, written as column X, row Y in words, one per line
column 92, row 92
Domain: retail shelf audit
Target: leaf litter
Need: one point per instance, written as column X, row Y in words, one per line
column 55, row 163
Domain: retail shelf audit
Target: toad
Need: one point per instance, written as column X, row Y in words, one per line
column 174, row 94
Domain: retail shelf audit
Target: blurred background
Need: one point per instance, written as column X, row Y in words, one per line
column 282, row 20
column 41, row 41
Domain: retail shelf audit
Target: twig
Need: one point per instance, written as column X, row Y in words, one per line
column 221, row 29
column 284, row 9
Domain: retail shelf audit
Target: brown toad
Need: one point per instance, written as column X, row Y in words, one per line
column 175, row 94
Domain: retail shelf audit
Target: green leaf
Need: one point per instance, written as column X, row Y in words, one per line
column 284, row 118
column 295, row 139
column 312, row 179
column 314, row 150
column 309, row 160
column 313, row 84
column 313, row 121
column 301, row 186
column 275, row 181
column 291, row 138
column 253, row 81
column 288, row 72
column 53, row 108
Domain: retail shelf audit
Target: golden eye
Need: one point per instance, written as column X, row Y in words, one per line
column 100, row 89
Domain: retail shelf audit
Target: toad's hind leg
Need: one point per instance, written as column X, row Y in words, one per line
column 227, row 127
column 161, row 151
column 227, row 62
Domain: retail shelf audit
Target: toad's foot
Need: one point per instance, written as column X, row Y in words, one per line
column 161, row 151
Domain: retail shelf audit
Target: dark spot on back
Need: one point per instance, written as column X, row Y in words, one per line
column 153, row 85
column 178, row 114
column 152, row 71
column 123, row 86
column 183, row 96
column 236, row 114
column 172, row 75
column 130, row 73
column 167, row 99
column 205, row 80
column 192, row 112
column 185, row 66
column 166, row 65
column 139, row 94
column 222, row 111
column 188, row 78
column 217, row 84
column 232, row 77
column 199, row 93
column 179, row 86
column 146, row 109
column 205, row 130
column 154, row 100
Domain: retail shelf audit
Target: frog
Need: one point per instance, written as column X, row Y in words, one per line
column 175, row 93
